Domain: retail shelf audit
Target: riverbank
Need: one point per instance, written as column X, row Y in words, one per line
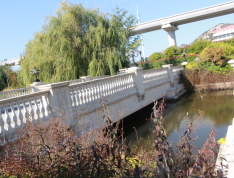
column 214, row 86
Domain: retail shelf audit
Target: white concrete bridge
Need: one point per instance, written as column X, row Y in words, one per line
column 79, row 101
column 170, row 24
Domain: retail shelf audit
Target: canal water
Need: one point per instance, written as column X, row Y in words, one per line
column 211, row 110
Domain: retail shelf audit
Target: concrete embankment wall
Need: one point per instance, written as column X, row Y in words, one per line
column 225, row 160
column 214, row 86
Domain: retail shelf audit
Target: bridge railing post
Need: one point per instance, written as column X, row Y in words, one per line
column 138, row 79
column 170, row 73
column 59, row 100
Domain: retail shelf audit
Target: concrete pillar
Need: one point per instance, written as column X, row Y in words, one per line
column 59, row 100
column 170, row 29
column 170, row 73
column 138, row 78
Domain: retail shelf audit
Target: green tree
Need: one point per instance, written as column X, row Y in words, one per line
column 227, row 48
column 214, row 55
column 155, row 56
column 77, row 42
column 172, row 51
column 198, row 45
column 5, row 77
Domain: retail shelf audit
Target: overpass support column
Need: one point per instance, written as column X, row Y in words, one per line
column 170, row 29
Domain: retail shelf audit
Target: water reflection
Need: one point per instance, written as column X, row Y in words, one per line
column 213, row 110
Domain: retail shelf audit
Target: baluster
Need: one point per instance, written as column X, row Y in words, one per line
column 89, row 88
column 37, row 111
column 117, row 85
column 79, row 96
column 31, row 110
column 107, row 87
column 7, row 119
column 41, row 107
column 95, row 91
column 112, row 88
column 46, row 104
column 13, row 116
column 24, row 111
column 92, row 86
column 86, row 94
column 101, row 89
column 2, row 123
column 83, row 95
column 111, row 85
column 76, row 96
column 20, row 113
column 98, row 90
column 130, row 81
column 122, row 83
column 73, row 98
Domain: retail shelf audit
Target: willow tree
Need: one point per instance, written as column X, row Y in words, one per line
column 77, row 42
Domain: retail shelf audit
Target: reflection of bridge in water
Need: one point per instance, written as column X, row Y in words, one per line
column 78, row 101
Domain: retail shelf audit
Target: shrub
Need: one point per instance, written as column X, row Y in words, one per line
column 214, row 55
column 52, row 150
column 228, row 49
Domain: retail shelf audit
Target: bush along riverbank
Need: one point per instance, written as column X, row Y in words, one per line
column 53, row 150
column 204, row 80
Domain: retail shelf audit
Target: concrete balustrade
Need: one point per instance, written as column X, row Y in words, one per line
column 17, row 92
column 79, row 100
column 16, row 111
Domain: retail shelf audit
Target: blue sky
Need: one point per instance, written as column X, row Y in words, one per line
column 20, row 19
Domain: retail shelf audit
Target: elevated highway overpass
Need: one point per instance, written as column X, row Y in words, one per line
column 11, row 62
column 170, row 24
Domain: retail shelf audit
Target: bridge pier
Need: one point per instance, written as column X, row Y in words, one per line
column 170, row 29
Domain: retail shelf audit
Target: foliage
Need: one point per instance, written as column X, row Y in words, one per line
column 174, row 60
column 77, row 42
column 222, row 140
column 155, row 56
column 7, row 77
column 228, row 50
column 51, row 149
column 3, row 78
column 214, row 55
column 172, row 51
column 197, row 46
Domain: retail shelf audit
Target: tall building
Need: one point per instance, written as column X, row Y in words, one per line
column 224, row 33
